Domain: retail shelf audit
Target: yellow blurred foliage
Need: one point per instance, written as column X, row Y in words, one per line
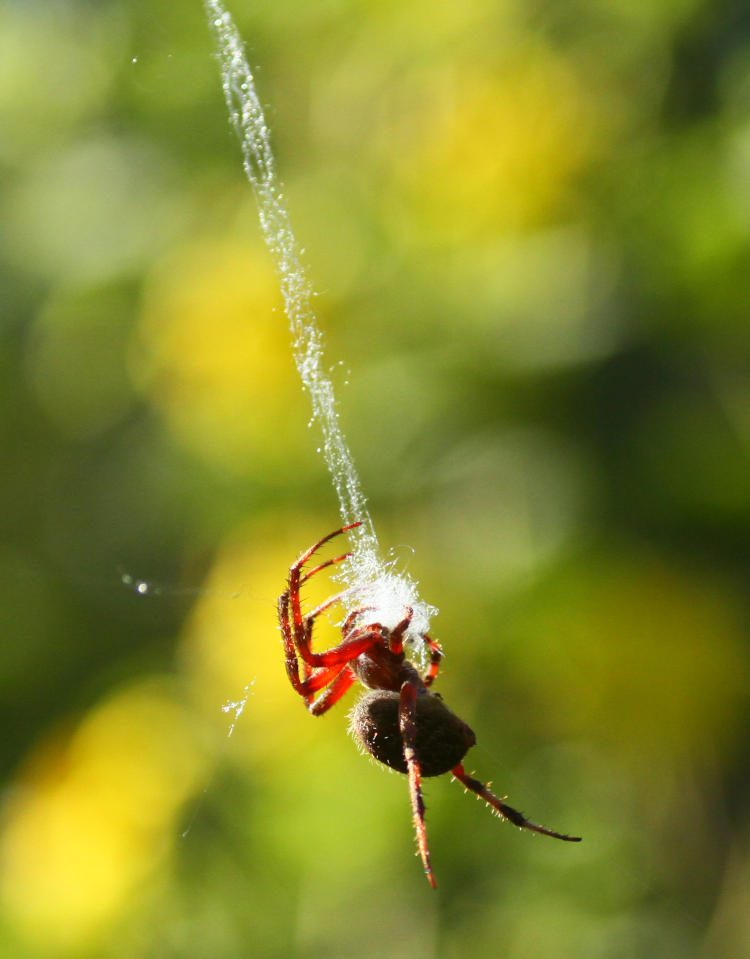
column 503, row 151
column 213, row 355
column 94, row 812
column 648, row 656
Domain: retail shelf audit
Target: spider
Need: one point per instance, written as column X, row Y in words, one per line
column 400, row 721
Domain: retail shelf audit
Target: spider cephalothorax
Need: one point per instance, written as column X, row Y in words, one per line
column 400, row 722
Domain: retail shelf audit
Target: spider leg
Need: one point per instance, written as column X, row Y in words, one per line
column 352, row 617
column 312, row 680
column 332, row 694
column 507, row 812
column 298, row 564
column 407, row 717
column 318, row 669
column 396, row 640
column 345, row 628
column 436, row 655
column 337, row 679
column 324, row 565
column 396, row 645
column 298, row 640
column 345, row 652
column 327, row 605
column 296, row 579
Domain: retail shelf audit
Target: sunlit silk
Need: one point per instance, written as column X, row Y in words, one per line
column 369, row 579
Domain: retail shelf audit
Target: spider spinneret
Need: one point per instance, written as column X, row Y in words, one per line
column 400, row 721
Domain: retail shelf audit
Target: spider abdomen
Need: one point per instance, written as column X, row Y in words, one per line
column 442, row 739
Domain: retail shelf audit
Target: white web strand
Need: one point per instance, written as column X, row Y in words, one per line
column 370, row 580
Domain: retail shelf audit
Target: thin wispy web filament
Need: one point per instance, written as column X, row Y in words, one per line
column 366, row 571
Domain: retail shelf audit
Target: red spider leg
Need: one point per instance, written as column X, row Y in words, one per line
column 331, row 602
column 338, row 655
column 352, row 617
column 312, row 681
column 329, row 663
column 306, row 668
column 348, row 623
column 345, row 629
column 342, row 682
column 407, row 720
column 302, row 626
column 310, row 619
column 397, row 646
column 317, row 569
column 321, row 542
column 507, row 812
column 337, row 678
column 296, row 580
column 436, row 655
column 396, row 639
column 333, row 694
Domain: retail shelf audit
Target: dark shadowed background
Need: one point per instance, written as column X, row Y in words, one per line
column 529, row 224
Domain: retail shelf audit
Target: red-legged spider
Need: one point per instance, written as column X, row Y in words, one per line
column 400, row 722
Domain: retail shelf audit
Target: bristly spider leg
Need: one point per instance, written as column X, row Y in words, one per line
column 507, row 812
column 407, row 714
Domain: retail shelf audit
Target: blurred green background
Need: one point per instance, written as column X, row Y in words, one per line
column 530, row 226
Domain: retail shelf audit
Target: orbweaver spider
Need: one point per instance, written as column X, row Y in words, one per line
column 400, row 722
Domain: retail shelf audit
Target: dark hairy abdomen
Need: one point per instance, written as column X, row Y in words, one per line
column 442, row 738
